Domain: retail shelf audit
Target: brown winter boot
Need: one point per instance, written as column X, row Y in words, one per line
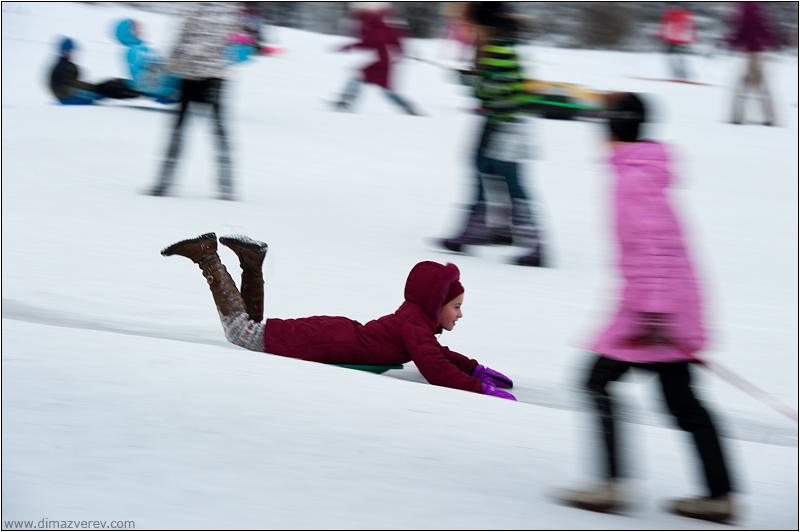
column 203, row 252
column 718, row 509
column 251, row 255
column 604, row 497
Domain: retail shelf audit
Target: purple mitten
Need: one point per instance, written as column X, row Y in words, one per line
column 491, row 377
column 491, row 390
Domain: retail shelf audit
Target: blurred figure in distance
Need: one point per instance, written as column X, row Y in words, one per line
column 752, row 33
column 68, row 87
column 503, row 143
column 200, row 58
column 148, row 75
column 379, row 33
column 678, row 31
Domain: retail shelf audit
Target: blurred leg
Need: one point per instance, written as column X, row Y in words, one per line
column 176, row 139
column 760, row 80
column 604, row 371
column 351, row 92
column 214, row 97
column 402, row 102
column 693, row 418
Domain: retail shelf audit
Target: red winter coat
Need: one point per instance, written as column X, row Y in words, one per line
column 677, row 26
column 407, row 335
column 377, row 35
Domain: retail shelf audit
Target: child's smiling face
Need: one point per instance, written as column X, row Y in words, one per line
column 451, row 312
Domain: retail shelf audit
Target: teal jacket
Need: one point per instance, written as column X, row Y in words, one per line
column 146, row 65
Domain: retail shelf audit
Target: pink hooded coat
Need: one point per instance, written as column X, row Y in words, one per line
column 404, row 336
column 653, row 261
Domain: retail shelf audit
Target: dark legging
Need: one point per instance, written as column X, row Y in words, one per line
column 204, row 91
column 682, row 404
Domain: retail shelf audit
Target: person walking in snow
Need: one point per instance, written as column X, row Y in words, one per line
column 433, row 298
column 502, row 145
column 200, row 58
column 678, row 31
column 659, row 324
column 377, row 33
column 752, row 33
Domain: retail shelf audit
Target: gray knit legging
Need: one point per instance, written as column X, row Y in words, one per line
column 242, row 331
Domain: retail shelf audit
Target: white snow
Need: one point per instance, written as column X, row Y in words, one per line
column 121, row 399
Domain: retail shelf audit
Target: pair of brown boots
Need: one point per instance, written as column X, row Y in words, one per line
column 229, row 301
column 612, row 497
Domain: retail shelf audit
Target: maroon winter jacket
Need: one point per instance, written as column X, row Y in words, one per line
column 385, row 40
column 407, row 335
column 751, row 29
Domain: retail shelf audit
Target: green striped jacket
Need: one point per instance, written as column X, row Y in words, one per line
column 499, row 82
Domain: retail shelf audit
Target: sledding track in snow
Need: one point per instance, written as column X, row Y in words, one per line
column 768, row 432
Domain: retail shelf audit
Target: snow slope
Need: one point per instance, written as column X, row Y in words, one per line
column 121, row 399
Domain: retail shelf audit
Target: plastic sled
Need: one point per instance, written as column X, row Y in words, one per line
column 371, row 369
column 564, row 101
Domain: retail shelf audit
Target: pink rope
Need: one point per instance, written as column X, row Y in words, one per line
column 749, row 388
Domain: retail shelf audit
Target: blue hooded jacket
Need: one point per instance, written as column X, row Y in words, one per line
column 146, row 65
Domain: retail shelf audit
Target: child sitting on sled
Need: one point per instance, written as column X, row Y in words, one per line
column 433, row 298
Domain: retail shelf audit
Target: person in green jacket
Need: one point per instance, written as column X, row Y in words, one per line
column 503, row 143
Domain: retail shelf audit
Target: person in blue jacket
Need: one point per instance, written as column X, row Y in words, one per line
column 149, row 77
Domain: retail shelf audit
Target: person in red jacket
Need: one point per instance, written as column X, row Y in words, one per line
column 677, row 30
column 433, row 298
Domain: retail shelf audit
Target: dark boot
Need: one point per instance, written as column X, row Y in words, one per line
column 474, row 233
column 251, row 255
column 500, row 229
column 203, row 252
column 527, row 235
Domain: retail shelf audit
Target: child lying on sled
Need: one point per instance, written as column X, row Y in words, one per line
column 433, row 298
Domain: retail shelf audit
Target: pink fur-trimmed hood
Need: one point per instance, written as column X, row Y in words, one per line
column 427, row 286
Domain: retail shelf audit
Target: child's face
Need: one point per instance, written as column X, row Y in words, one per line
column 451, row 312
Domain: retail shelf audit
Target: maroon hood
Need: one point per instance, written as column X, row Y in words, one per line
column 427, row 286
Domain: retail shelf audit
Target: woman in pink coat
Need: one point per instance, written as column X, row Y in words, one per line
column 433, row 299
column 658, row 326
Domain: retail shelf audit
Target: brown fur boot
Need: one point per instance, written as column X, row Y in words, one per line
column 203, row 252
column 251, row 255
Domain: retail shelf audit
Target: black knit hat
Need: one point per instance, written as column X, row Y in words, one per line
column 625, row 118
column 493, row 15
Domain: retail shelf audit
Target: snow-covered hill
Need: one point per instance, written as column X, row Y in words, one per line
column 122, row 401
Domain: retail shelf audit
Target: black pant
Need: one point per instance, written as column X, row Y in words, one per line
column 689, row 413
column 208, row 92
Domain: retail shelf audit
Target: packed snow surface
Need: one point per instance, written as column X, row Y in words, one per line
column 122, row 401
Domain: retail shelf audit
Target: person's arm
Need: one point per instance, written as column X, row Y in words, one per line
column 435, row 363
column 72, row 78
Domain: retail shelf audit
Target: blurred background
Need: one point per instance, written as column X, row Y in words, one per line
column 122, row 399
column 624, row 26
